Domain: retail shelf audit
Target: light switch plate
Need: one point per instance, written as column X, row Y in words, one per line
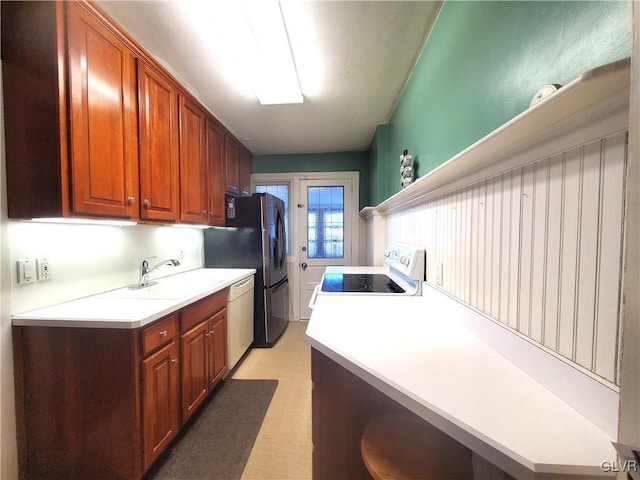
column 26, row 271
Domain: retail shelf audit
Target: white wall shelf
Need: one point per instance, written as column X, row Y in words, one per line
column 600, row 92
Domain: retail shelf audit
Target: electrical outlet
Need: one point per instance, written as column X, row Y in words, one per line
column 439, row 273
column 43, row 269
column 26, row 271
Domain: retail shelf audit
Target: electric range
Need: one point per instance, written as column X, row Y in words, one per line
column 402, row 274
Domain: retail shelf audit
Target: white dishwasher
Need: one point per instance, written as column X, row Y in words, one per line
column 239, row 320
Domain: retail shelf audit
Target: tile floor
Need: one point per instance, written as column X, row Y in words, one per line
column 283, row 447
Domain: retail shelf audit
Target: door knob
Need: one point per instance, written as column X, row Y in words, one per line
column 304, row 265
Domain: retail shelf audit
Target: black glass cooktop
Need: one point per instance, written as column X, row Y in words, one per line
column 359, row 282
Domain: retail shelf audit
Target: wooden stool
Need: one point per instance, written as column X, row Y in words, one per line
column 402, row 446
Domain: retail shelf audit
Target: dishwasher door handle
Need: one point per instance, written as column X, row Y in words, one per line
column 314, row 295
column 243, row 284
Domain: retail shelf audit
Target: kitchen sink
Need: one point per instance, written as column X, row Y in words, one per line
column 169, row 288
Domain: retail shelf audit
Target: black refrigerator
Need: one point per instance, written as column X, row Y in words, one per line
column 254, row 237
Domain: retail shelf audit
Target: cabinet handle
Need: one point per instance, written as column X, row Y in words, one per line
column 131, row 200
column 175, row 360
column 163, row 333
column 146, row 202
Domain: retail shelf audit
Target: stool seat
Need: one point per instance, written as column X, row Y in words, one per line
column 403, row 446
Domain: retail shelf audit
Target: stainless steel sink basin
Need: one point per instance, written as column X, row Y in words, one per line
column 169, row 288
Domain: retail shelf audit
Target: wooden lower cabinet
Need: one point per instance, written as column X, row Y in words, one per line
column 103, row 403
column 160, row 407
column 204, row 353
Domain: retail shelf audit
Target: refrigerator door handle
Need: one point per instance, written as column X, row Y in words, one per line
column 280, row 241
column 280, row 285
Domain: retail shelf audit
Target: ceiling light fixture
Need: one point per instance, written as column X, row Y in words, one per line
column 257, row 45
column 276, row 76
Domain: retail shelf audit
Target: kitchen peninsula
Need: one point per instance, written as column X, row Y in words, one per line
column 426, row 360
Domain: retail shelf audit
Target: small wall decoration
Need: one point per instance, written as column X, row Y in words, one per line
column 406, row 169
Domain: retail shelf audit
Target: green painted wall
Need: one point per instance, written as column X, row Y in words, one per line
column 480, row 67
column 318, row 162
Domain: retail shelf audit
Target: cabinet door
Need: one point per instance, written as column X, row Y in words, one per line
column 103, row 168
column 215, row 177
column 159, row 180
column 217, row 347
column 160, row 401
column 245, row 173
column 193, row 167
column 194, row 368
column 231, row 166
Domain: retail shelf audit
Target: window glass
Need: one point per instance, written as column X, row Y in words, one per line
column 325, row 222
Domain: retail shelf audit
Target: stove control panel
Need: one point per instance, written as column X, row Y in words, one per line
column 406, row 259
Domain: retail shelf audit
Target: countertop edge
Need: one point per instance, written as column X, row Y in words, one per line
column 28, row 319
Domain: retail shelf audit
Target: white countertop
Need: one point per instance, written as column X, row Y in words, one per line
column 128, row 309
column 420, row 356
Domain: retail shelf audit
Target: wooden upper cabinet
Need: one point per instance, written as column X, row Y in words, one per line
column 244, row 168
column 215, row 173
column 232, row 175
column 159, row 166
column 103, row 119
column 193, row 166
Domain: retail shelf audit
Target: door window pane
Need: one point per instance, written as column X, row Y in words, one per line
column 282, row 192
column 325, row 222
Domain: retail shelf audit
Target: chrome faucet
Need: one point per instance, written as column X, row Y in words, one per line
column 145, row 270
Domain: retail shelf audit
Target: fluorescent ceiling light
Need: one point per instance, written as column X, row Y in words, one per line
column 84, row 221
column 255, row 35
column 277, row 79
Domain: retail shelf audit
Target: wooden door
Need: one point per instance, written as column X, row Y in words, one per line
column 215, row 173
column 103, row 166
column 245, row 172
column 159, row 177
column 231, row 166
column 193, row 167
column 194, row 368
column 217, row 347
column 160, row 401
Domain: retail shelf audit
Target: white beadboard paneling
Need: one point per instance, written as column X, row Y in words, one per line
column 496, row 245
column 537, row 248
column 569, row 251
column 553, row 249
column 610, row 258
column 515, row 197
column 526, row 250
column 587, row 261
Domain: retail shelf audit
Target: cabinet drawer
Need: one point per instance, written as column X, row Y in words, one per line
column 202, row 309
column 158, row 334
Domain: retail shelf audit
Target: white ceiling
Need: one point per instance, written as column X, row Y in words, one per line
column 352, row 72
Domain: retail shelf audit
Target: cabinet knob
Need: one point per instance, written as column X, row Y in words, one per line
column 146, row 202
column 211, row 214
column 163, row 333
column 131, row 200
column 174, row 360
column 204, row 212
column 211, row 333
